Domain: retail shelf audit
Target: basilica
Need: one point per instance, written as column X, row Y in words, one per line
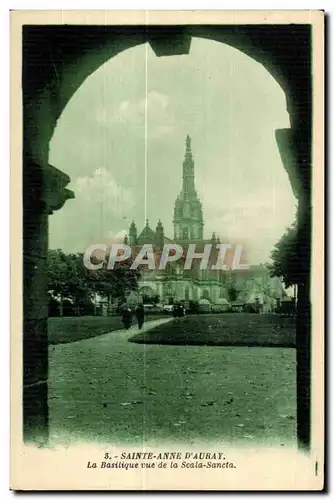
column 210, row 286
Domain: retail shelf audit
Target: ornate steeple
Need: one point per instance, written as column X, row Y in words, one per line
column 159, row 231
column 188, row 217
column 133, row 233
column 188, row 186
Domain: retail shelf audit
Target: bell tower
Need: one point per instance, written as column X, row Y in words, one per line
column 133, row 234
column 188, row 216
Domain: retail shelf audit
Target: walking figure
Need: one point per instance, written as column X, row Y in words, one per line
column 140, row 315
column 127, row 317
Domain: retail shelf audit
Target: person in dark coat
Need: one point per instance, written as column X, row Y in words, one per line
column 178, row 310
column 127, row 317
column 140, row 314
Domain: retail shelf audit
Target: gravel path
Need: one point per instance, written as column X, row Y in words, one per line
column 108, row 390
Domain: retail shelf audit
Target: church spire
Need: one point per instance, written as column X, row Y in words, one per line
column 159, row 232
column 133, row 233
column 188, row 187
column 188, row 217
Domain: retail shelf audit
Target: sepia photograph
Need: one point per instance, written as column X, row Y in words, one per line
column 170, row 204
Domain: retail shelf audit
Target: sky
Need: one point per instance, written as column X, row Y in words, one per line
column 121, row 139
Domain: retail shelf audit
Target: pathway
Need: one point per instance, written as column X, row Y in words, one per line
column 106, row 389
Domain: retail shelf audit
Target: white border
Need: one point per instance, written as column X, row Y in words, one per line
column 4, row 185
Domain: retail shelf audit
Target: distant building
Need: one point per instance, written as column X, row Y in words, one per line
column 176, row 284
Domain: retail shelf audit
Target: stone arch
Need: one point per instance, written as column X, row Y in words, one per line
column 76, row 52
column 147, row 291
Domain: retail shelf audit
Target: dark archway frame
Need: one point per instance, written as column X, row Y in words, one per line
column 56, row 61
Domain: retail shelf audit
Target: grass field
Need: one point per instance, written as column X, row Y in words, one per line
column 109, row 390
column 71, row 329
column 239, row 329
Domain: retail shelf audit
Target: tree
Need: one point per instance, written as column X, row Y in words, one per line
column 67, row 279
column 79, row 288
column 114, row 283
column 285, row 261
column 57, row 276
column 70, row 279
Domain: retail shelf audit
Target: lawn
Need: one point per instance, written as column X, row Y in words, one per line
column 239, row 329
column 109, row 390
column 71, row 329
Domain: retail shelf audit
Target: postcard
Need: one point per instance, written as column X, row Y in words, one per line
column 167, row 250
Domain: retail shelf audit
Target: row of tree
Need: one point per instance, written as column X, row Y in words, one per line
column 69, row 280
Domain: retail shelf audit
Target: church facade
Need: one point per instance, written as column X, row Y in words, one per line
column 176, row 284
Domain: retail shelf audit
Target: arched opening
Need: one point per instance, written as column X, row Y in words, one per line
column 231, row 111
column 206, row 294
column 147, row 294
column 298, row 111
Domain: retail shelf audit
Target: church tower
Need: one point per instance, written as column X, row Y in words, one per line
column 159, row 235
column 133, row 234
column 188, row 216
